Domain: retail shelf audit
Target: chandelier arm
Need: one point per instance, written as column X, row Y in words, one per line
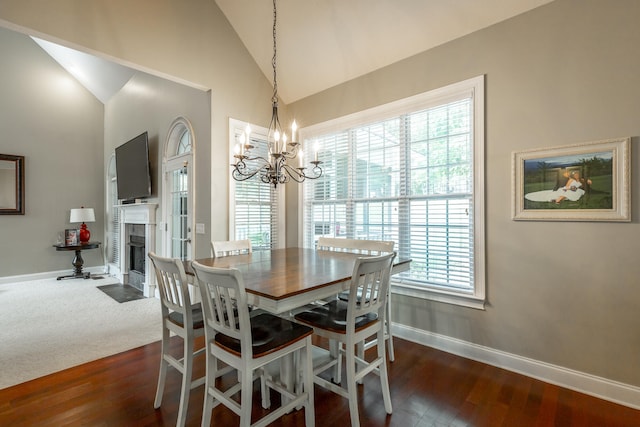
column 238, row 175
column 241, row 172
column 292, row 151
column 256, row 158
column 298, row 174
column 317, row 170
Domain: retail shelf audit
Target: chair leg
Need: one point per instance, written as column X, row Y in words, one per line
column 360, row 353
column 246, row 395
column 207, row 408
column 307, row 365
column 351, row 384
column 162, row 375
column 187, row 368
column 384, row 376
column 334, row 351
column 211, row 373
column 264, row 390
column 392, row 356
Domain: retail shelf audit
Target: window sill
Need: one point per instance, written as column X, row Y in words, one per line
column 463, row 300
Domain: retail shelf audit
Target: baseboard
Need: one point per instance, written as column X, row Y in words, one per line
column 48, row 274
column 613, row 391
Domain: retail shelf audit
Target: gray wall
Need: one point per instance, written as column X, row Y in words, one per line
column 565, row 293
column 194, row 44
column 48, row 117
column 132, row 111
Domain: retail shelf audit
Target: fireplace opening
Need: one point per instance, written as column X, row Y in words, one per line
column 137, row 256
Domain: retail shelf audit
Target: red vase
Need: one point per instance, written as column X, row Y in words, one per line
column 85, row 234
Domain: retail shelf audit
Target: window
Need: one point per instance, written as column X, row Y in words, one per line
column 178, row 200
column 412, row 172
column 255, row 206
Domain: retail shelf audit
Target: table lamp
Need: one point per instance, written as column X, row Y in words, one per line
column 83, row 215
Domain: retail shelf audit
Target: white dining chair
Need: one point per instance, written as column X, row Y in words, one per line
column 248, row 344
column 230, row 247
column 365, row 247
column 351, row 322
column 182, row 319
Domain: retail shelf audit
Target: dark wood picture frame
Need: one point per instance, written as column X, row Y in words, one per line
column 12, row 188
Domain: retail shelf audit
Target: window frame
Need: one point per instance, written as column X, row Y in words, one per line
column 473, row 87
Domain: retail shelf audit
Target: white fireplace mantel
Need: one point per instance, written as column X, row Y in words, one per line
column 138, row 213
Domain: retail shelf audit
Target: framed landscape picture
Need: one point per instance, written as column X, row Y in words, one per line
column 581, row 182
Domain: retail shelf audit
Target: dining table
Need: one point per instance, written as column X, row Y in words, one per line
column 282, row 280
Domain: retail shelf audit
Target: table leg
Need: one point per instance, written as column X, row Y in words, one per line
column 78, row 262
column 287, row 374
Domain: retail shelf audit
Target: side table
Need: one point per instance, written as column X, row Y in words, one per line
column 77, row 260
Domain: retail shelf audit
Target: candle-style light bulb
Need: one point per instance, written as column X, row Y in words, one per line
column 316, row 148
column 276, row 141
column 242, row 144
column 284, row 142
column 301, row 156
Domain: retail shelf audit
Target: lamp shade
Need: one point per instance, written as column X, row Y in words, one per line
column 82, row 215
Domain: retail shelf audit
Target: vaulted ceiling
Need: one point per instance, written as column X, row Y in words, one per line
column 323, row 43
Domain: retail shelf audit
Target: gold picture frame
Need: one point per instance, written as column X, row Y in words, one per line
column 581, row 182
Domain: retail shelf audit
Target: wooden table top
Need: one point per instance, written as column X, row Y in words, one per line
column 285, row 273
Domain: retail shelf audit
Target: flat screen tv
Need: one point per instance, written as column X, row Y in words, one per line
column 132, row 169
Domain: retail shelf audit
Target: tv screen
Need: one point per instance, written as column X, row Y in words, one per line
column 132, row 169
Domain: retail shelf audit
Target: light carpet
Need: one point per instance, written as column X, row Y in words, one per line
column 49, row 325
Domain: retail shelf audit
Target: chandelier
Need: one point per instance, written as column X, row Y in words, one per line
column 279, row 165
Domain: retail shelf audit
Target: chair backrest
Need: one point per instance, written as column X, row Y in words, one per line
column 230, row 247
column 172, row 284
column 361, row 246
column 224, row 304
column 368, row 291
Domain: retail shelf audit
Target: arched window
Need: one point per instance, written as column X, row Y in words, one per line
column 178, row 188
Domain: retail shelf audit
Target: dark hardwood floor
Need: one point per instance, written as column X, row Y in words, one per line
column 428, row 388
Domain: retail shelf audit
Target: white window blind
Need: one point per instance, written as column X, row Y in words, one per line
column 405, row 172
column 255, row 204
column 113, row 215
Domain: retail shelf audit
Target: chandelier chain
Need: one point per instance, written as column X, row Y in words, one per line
column 273, row 60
